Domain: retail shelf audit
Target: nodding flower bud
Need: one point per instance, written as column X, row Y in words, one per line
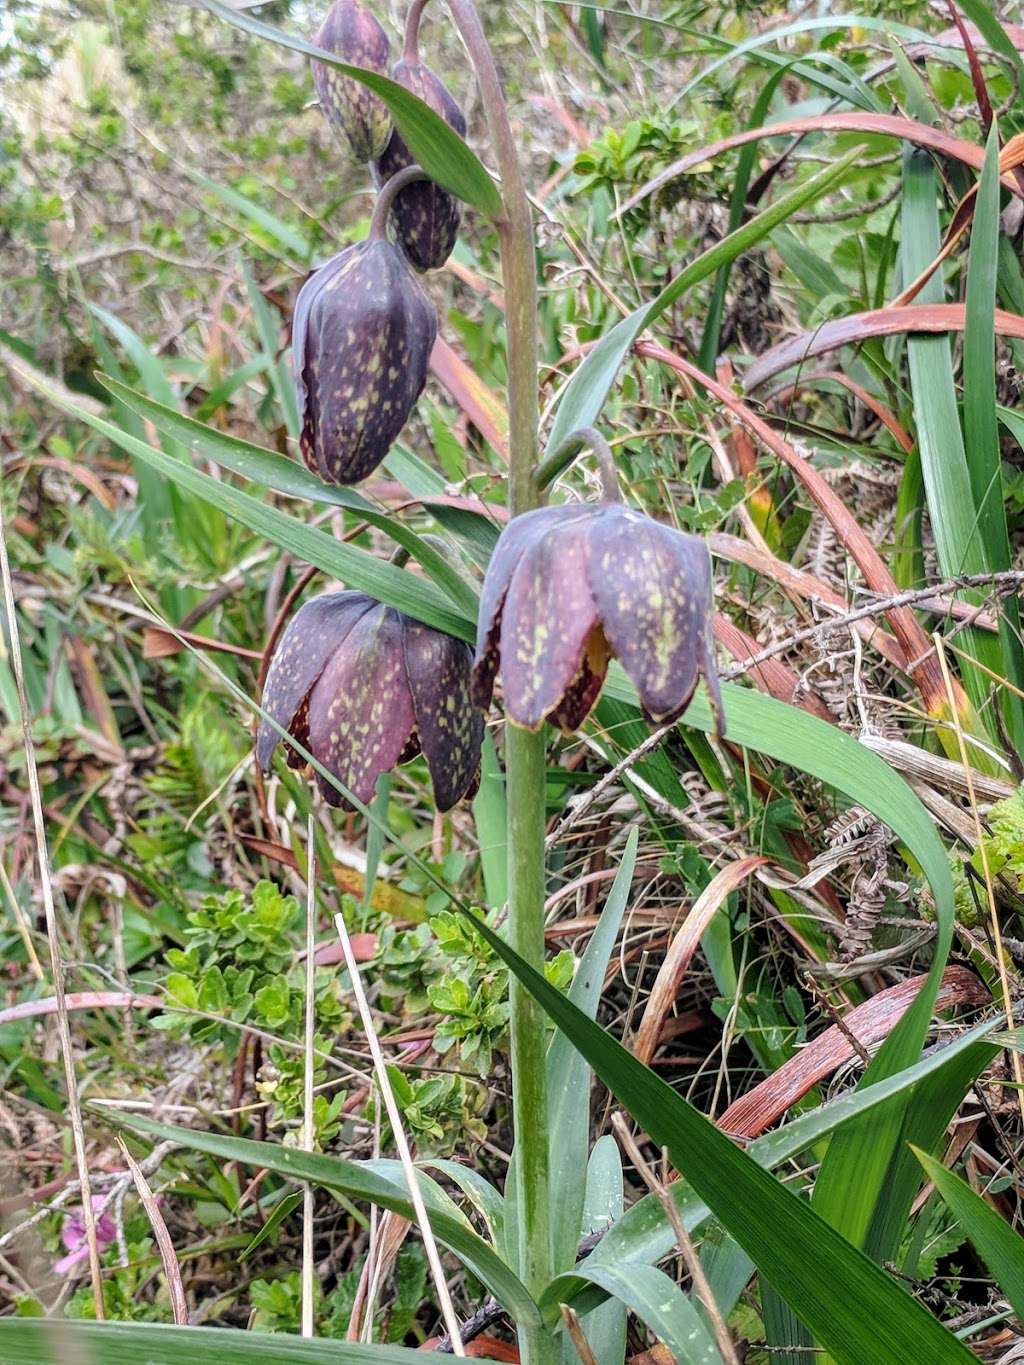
column 364, row 687
column 570, row 587
column 362, row 334
column 426, row 217
column 352, row 33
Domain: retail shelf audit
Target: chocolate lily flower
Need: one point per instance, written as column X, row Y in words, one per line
column 364, row 687
column 362, row 335
column 425, row 216
column 352, row 33
column 569, row 587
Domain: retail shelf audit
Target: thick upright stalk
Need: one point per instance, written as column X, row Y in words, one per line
column 524, row 752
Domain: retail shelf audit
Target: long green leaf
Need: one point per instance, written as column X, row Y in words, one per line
column 286, row 476
column 356, row 568
column 803, row 1256
column 981, row 425
column 34, row 1341
column 604, row 1326
column 358, row 1181
column 959, row 542
column 999, row 1246
column 437, row 147
column 587, row 390
column 994, row 34
column 656, row 1300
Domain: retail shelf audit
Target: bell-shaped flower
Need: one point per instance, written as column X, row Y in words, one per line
column 364, row 687
column 572, row 586
column 362, row 334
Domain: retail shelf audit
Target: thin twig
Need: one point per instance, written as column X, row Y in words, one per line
column 701, row 1286
column 308, row 1067
column 179, row 1307
column 56, row 965
column 451, row 1322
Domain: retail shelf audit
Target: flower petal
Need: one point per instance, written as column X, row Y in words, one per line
column 512, row 544
column 360, row 709
column 450, row 728
column 549, row 613
column 313, row 633
column 652, row 586
column 585, row 689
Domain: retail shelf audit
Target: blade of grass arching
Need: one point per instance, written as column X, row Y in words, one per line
column 358, row 1180
column 872, row 1319
column 844, row 84
column 286, row 476
column 570, row 1078
column 953, row 512
column 417, row 597
column 981, row 427
column 438, row 148
column 859, row 95
column 999, row 1246
column 659, row 1303
column 26, row 1341
column 280, row 368
column 737, row 204
column 585, row 394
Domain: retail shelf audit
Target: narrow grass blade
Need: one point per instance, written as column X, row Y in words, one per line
column 26, row 1341
column 999, row 1246
column 655, row 1300
column 359, row 1181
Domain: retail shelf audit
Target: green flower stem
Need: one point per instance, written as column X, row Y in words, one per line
column 587, row 438
column 387, row 195
column 524, row 752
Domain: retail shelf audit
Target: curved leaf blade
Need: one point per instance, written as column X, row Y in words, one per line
column 359, row 1181
column 999, row 1246
column 656, row 1300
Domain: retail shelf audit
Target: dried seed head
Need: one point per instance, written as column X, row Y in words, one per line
column 364, row 687
column 363, row 331
column 425, row 216
column 570, row 587
column 352, row 33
